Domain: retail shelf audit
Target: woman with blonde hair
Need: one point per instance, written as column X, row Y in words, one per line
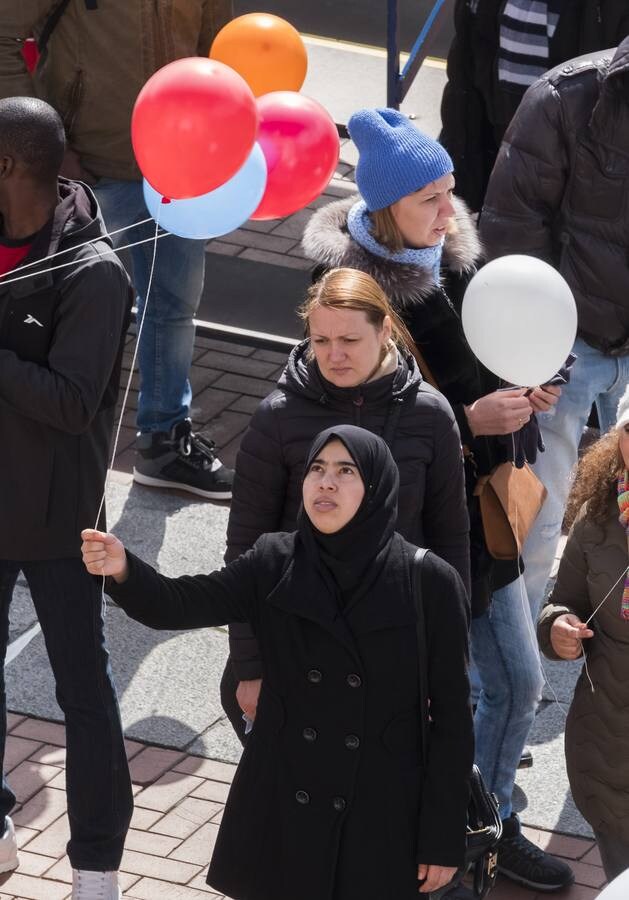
column 588, row 614
column 355, row 367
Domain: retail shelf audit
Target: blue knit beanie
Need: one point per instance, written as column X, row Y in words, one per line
column 395, row 159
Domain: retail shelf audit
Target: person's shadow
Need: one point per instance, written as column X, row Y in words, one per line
column 167, row 681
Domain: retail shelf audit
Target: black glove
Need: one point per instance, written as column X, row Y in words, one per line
column 523, row 446
column 563, row 375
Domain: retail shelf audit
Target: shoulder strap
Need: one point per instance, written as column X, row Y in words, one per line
column 51, row 23
column 424, row 367
column 422, row 649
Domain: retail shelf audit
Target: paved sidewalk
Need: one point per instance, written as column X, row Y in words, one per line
column 179, row 802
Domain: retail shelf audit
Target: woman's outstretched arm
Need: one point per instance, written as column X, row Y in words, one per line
column 191, row 601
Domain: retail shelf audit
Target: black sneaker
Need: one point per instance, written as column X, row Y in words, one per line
column 521, row 861
column 526, row 760
column 181, row 459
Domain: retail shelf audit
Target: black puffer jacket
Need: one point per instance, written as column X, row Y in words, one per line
column 432, row 315
column 560, row 189
column 414, row 419
column 477, row 108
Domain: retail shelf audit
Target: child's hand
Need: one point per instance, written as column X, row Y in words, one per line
column 104, row 554
column 566, row 634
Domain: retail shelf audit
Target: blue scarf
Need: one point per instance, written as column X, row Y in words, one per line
column 359, row 225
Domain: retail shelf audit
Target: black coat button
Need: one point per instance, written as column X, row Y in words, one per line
column 302, row 797
column 309, row 734
column 314, row 676
column 352, row 742
column 354, row 680
column 339, row 804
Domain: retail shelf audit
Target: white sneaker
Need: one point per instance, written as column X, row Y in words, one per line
column 8, row 848
column 88, row 885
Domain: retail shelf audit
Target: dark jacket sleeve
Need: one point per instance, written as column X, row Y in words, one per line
column 570, row 593
column 258, row 498
column 445, row 516
column 528, row 180
column 191, row 601
column 67, row 392
column 446, row 786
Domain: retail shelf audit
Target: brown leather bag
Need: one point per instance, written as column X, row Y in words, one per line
column 510, row 500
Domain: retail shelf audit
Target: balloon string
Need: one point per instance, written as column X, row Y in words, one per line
column 125, row 398
column 526, row 608
column 74, row 247
column 76, row 262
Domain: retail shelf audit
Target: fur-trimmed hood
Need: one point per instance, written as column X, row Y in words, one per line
column 327, row 242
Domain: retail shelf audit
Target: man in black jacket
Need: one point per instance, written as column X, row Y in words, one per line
column 499, row 49
column 560, row 191
column 64, row 306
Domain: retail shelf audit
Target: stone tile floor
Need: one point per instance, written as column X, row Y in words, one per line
column 179, row 802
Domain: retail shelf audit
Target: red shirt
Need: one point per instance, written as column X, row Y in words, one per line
column 12, row 253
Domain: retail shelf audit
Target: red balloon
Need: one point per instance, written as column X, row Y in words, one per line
column 193, row 126
column 301, row 146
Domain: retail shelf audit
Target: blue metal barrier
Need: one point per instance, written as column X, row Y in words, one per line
column 399, row 82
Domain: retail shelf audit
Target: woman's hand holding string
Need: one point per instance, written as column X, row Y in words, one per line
column 501, row 412
column 104, row 554
column 545, row 397
column 434, row 877
column 566, row 634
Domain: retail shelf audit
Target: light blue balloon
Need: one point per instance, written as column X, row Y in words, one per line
column 219, row 212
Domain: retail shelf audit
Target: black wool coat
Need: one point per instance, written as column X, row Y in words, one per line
column 423, row 438
column 331, row 799
column 61, row 342
column 431, row 312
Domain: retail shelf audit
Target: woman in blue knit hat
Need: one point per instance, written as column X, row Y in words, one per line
column 419, row 242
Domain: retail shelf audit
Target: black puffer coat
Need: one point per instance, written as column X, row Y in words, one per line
column 477, row 108
column 560, row 189
column 432, row 315
column 423, row 437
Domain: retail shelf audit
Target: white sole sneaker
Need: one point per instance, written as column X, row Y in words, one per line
column 149, row 481
column 8, row 848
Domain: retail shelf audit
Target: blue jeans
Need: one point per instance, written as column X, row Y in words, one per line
column 98, row 786
column 504, row 650
column 595, row 378
column 167, row 341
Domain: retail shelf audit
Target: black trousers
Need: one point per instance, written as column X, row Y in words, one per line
column 68, row 602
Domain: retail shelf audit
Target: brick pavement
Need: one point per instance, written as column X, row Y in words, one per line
column 179, row 802
column 228, row 380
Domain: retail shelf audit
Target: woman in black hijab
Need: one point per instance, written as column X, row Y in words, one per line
column 332, row 800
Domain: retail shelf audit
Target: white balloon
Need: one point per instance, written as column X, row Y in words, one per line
column 618, row 889
column 520, row 319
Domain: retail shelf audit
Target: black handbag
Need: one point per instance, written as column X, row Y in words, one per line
column 484, row 825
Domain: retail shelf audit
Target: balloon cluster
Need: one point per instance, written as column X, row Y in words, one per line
column 229, row 138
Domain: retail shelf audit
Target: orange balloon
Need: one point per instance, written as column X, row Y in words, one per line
column 266, row 50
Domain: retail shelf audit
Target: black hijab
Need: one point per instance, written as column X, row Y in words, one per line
column 350, row 560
